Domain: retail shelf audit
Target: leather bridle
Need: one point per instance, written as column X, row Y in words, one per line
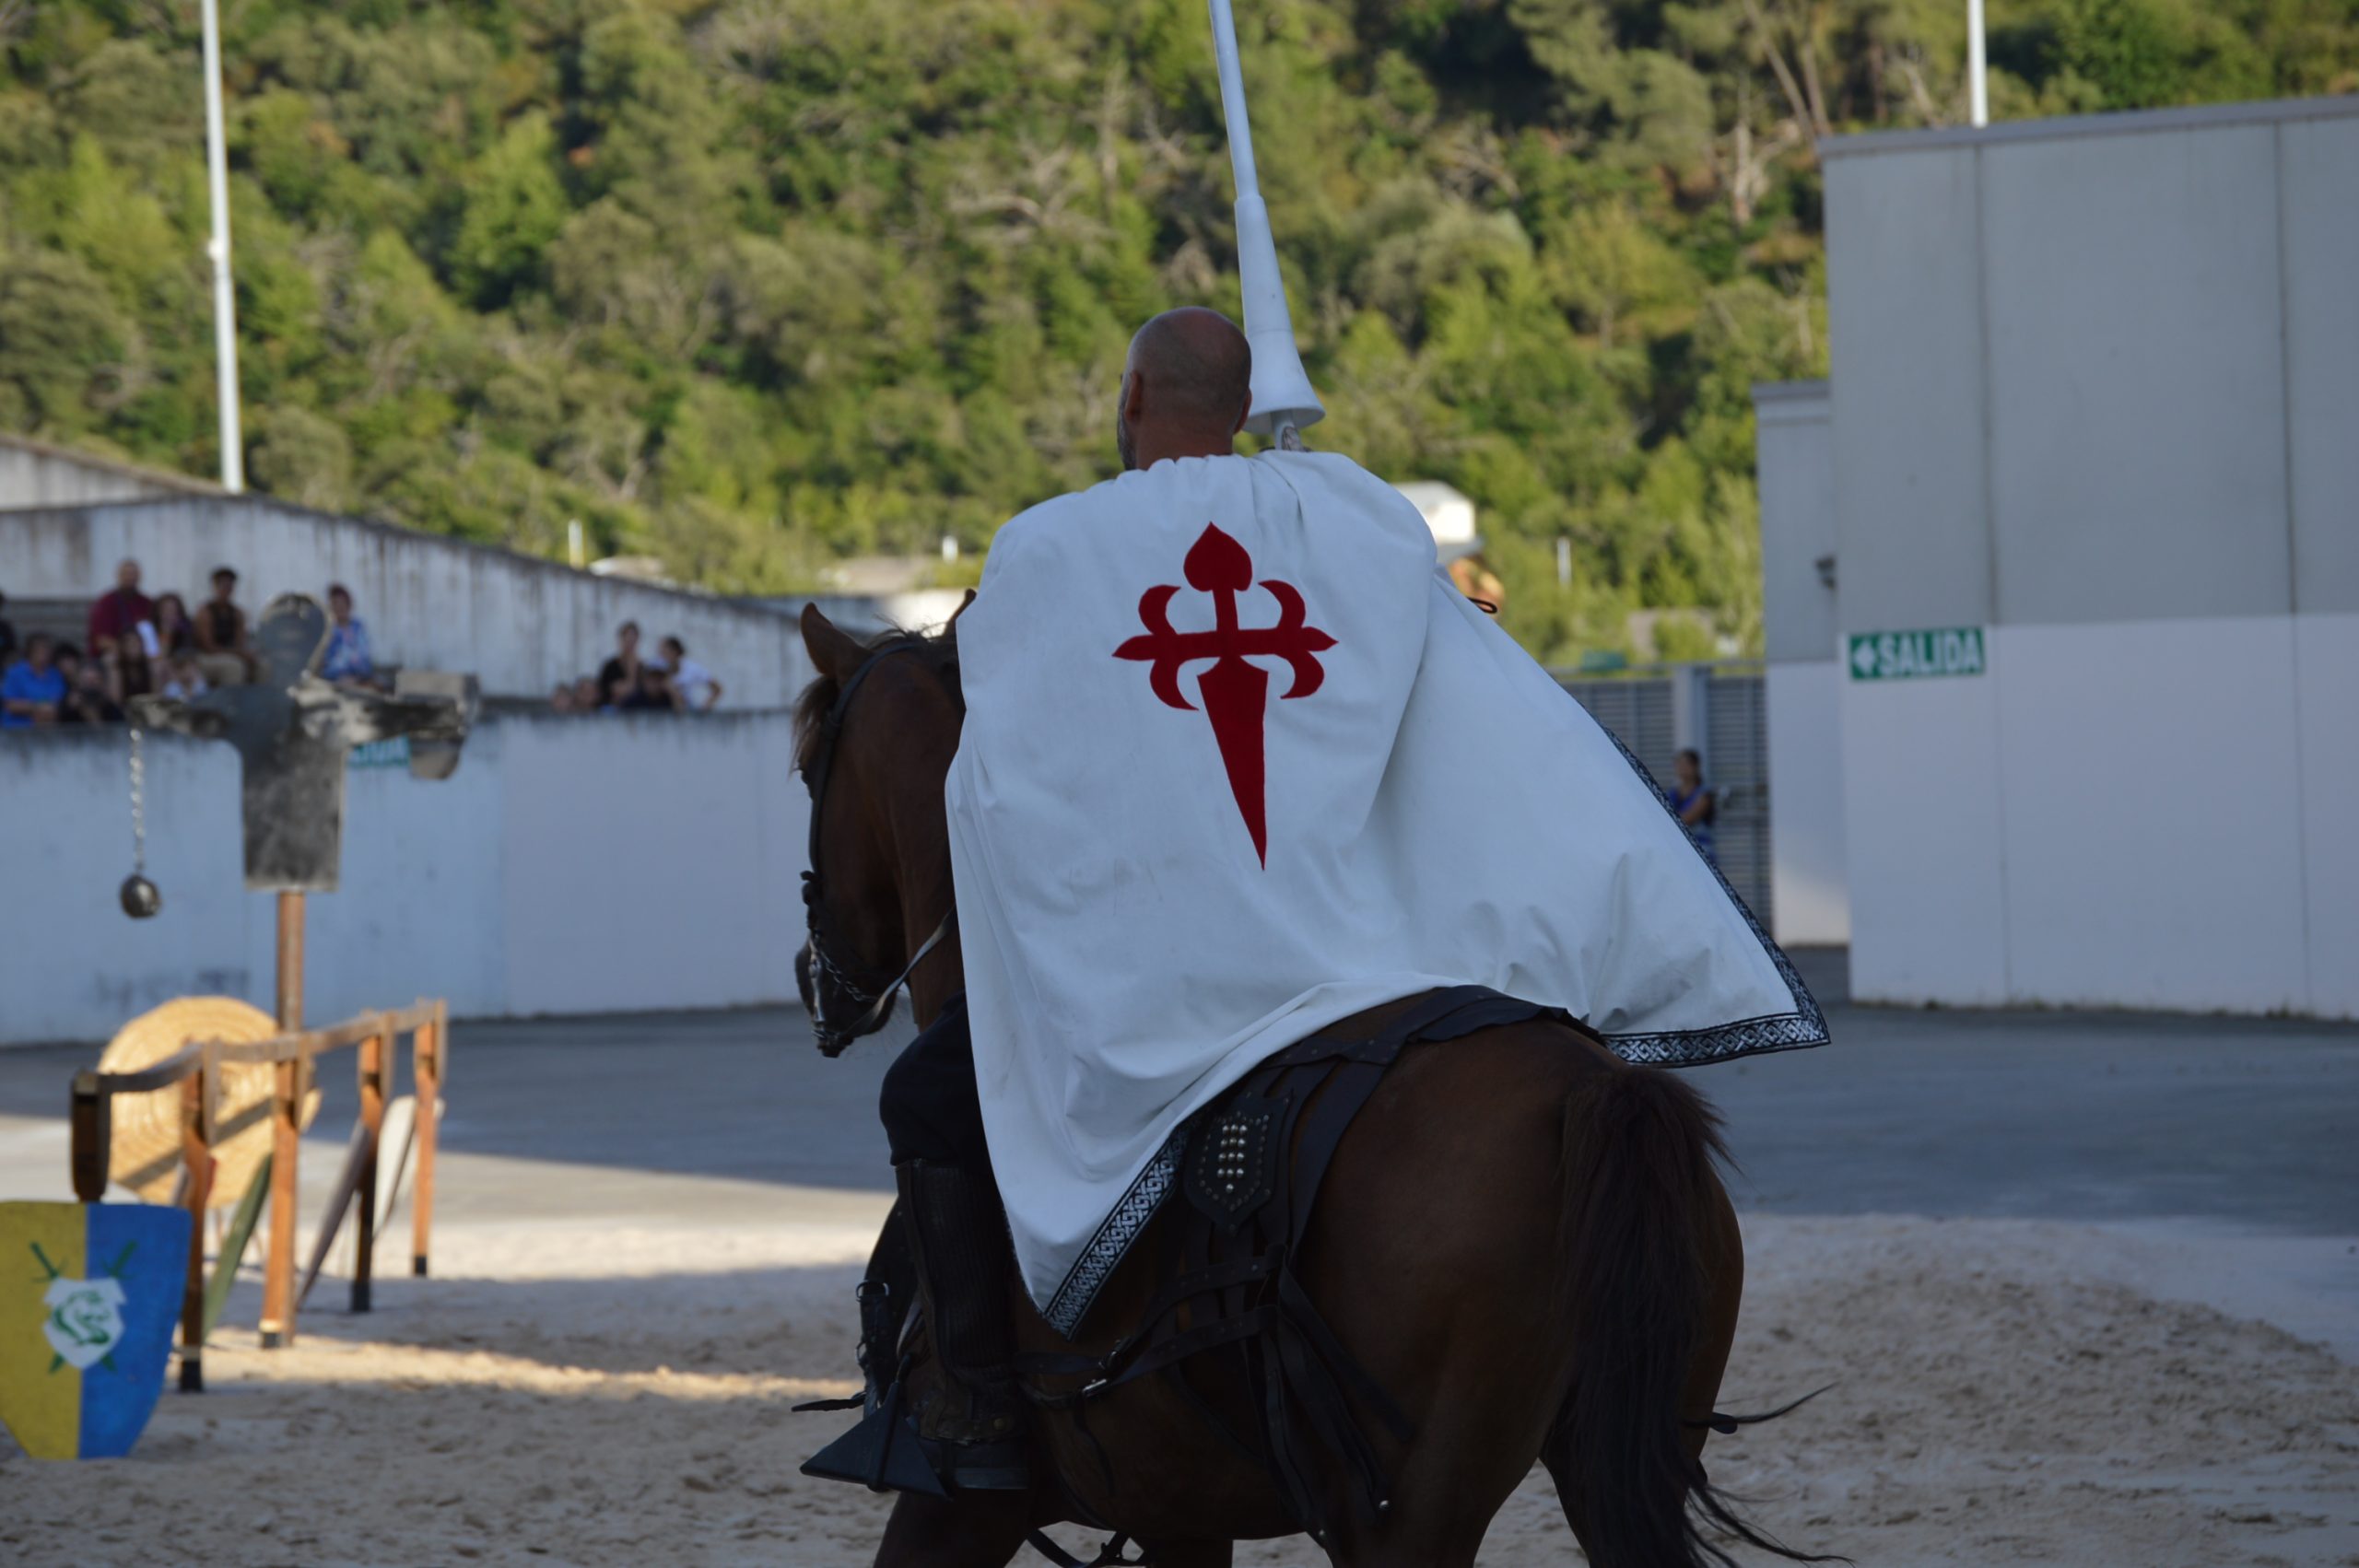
column 826, row 968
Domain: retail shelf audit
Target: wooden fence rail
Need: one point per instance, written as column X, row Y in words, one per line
column 196, row 1068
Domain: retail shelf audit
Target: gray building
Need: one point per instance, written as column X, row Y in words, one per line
column 2062, row 564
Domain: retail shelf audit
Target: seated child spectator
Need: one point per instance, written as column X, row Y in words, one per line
column 184, row 678
column 693, row 687
column 88, row 699
column 32, row 689
column 348, row 662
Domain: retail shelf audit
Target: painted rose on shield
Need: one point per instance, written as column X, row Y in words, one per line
column 84, row 1321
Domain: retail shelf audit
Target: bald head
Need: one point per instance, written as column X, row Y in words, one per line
column 1187, row 387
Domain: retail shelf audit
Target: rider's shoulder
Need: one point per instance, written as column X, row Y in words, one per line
column 1041, row 523
column 1089, row 508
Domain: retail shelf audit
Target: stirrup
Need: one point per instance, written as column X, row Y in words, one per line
column 882, row 1452
column 885, row 1453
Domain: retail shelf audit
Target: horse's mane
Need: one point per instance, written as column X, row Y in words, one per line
column 938, row 653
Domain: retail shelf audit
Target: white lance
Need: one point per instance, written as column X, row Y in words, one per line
column 1283, row 401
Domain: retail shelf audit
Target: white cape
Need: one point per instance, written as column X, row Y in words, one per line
column 1436, row 811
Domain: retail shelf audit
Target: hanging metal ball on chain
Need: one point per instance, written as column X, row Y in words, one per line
column 140, row 898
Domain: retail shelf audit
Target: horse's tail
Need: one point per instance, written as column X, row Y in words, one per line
column 1638, row 1151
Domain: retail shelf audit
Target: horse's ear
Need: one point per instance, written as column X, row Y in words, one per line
column 834, row 653
column 964, row 605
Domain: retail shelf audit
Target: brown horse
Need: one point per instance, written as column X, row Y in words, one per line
column 1522, row 1238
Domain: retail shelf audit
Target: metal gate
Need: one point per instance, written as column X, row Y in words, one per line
column 1722, row 711
column 1735, row 723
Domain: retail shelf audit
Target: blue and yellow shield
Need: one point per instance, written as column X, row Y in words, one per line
column 90, row 1293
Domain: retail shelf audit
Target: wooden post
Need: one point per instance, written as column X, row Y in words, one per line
column 278, row 1267
column 287, row 1128
column 428, row 1044
column 290, row 962
column 196, row 1152
column 92, row 1122
column 374, row 1051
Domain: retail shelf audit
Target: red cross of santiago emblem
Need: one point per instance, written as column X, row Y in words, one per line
column 1236, row 693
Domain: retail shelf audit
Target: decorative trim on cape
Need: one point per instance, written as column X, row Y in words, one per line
column 1797, row 1030
column 1107, row 1247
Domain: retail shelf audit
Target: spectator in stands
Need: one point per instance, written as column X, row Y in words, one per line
column 7, row 638
column 1693, row 800
column 224, row 649
column 68, row 660
column 88, row 699
column 122, row 630
column 175, row 633
column 32, row 689
column 694, row 690
column 622, row 680
column 586, row 694
column 561, row 697
column 348, row 662
column 184, row 678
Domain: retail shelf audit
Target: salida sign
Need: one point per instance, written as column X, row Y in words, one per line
column 1908, row 656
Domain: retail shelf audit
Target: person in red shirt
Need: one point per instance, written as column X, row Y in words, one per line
column 115, row 638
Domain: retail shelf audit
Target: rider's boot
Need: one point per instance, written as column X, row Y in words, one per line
column 974, row 1413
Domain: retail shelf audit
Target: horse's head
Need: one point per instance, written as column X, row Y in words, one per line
column 874, row 735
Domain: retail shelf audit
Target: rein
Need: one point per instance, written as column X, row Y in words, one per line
column 833, row 1039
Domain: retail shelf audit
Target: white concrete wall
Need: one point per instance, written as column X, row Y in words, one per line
column 34, row 473
column 1810, row 893
column 571, row 865
column 2144, row 867
column 2326, row 656
column 2139, row 814
column 1922, row 840
column 520, row 624
column 2092, row 392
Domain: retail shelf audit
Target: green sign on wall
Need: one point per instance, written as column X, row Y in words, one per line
column 1908, row 656
column 393, row 753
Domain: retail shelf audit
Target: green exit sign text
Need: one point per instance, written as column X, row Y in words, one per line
column 1908, row 656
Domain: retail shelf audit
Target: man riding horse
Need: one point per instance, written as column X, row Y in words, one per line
column 1186, row 390
column 1238, row 764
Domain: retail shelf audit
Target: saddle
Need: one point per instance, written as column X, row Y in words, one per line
column 1254, row 1163
column 1251, row 1169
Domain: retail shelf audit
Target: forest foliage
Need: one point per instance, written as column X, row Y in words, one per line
column 755, row 284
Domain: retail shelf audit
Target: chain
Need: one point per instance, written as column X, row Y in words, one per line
column 138, row 807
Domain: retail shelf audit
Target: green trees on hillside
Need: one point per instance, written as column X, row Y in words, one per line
column 756, row 284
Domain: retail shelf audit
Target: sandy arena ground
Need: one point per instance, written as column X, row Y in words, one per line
column 565, row 1392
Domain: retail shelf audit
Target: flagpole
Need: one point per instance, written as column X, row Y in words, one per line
column 225, row 300
column 1978, row 73
column 1284, row 402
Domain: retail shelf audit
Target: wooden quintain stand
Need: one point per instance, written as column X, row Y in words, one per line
column 195, row 1069
column 293, row 733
